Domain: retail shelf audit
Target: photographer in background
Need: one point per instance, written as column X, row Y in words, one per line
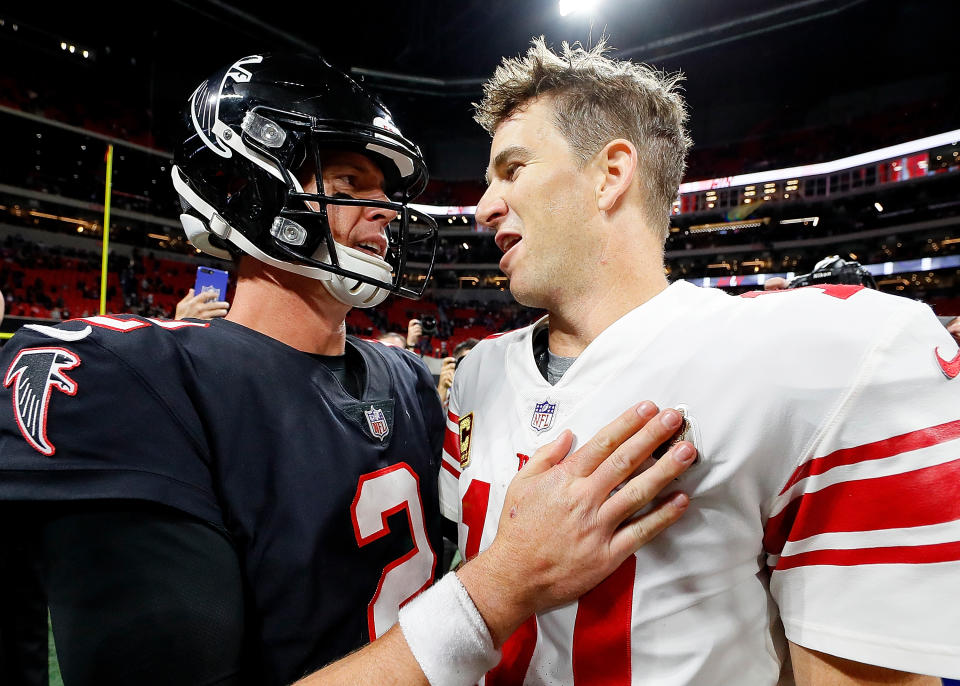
column 415, row 331
column 450, row 365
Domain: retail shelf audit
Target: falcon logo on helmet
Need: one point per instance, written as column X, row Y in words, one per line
column 205, row 106
column 257, row 124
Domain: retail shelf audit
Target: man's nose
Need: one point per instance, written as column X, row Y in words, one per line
column 382, row 214
column 491, row 209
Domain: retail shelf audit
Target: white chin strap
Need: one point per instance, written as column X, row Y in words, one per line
column 346, row 290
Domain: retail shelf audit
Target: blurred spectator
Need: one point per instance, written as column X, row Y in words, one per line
column 414, row 334
column 953, row 326
column 450, row 367
column 394, row 339
column 776, row 283
column 201, row 306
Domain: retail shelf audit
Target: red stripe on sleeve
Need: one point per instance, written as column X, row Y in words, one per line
column 451, row 445
column 923, row 438
column 601, row 633
column 911, row 555
column 451, row 417
column 446, row 465
column 917, row 498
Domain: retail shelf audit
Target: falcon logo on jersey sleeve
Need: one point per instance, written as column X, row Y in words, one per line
column 466, row 428
column 33, row 374
column 543, row 416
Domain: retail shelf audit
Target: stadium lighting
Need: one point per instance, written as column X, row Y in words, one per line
column 572, row 6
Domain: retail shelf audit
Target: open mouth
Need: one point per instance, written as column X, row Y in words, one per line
column 507, row 240
column 373, row 248
column 509, row 243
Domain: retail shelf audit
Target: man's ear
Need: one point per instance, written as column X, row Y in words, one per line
column 617, row 163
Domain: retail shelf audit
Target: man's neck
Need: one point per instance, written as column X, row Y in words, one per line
column 292, row 309
column 574, row 325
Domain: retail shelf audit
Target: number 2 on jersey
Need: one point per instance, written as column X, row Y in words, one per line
column 381, row 494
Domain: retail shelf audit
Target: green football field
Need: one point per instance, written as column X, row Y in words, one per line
column 55, row 679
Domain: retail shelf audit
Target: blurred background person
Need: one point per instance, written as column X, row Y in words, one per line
column 450, row 365
column 393, row 338
column 201, row 306
column 414, row 334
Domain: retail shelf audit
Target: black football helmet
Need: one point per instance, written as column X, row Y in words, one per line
column 250, row 129
column 834, row 269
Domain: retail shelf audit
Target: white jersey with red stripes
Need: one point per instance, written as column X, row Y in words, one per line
column 825, row 494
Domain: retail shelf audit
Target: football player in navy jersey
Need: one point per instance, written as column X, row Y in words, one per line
column 244, row 500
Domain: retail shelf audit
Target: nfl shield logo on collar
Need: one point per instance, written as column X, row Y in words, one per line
column 377, row 422
column 543, row 416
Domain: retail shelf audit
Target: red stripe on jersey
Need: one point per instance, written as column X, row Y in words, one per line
column 601, row 633
column 451, row 417
column 905, row 554
column 451, row 445
column 516, row 655
column 917, row 498
column 915, row 440
column 446, row 465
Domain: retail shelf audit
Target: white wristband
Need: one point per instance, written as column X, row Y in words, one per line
column 447, row 635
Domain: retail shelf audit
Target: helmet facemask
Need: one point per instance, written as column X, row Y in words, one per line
column 301, row 230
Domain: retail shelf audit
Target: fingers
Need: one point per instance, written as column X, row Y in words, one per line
column 549, row 455
column 219, row 311
column 643, row 488
column 631, row 536
column 214, row 308
column 603, row 444
column 635, row 449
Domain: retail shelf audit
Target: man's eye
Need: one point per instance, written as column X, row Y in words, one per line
column 512, row 170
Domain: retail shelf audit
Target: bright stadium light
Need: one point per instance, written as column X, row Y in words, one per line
column 571, row 6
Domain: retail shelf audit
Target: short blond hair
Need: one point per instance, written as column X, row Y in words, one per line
column 596, row 100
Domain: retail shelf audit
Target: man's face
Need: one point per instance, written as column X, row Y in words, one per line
column 350, row 174
column 539, row 201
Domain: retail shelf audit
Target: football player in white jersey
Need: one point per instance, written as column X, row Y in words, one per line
column 824, row 519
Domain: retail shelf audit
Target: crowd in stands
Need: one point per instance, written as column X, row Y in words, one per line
column 55, row 282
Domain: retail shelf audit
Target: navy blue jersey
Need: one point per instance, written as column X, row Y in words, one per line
column 330, row 500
